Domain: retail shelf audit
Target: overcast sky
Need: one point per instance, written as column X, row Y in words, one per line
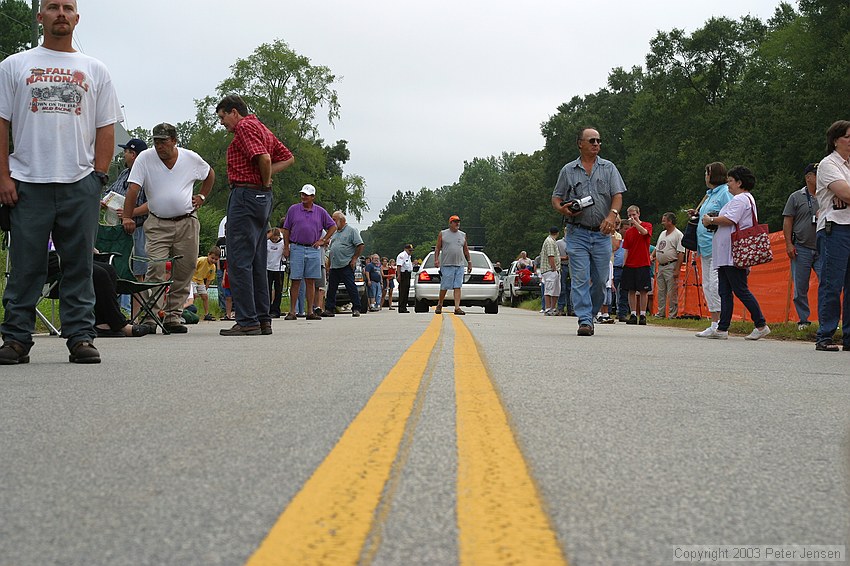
column 422, row 86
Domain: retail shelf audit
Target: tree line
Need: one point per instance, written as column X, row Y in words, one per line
column 746, row 91
column 741, row 91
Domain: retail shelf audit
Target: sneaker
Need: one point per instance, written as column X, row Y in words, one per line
column 313, row 316
column 328, row 314
column 84, row 353
column 622, row 318
column 317, row 311
column 719, row 335
column 707, row 333
column 803, row 325
column 140, row 330
column 151, row 326
column 265, row 327
column 585, row 330
column 756, row 333
column 632, row 319
column 607, row 320
column 176, row 328
column 549, row 312
column 208, row 316
column 12, row 353
column 355, row 314
column 237, row 330
column 642, row 320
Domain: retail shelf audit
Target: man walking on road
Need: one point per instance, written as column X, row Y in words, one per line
column 52, row 182
column 345, row 248
column 302, row 243
column 253, row 156
column 799, row 227
column 589, row 193
column 168, row 175
column 404, row 269
column 451, row 255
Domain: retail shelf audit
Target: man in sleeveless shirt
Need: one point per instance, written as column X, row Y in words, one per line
column 451, row 255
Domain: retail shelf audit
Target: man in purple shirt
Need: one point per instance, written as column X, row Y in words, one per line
column 302, row 243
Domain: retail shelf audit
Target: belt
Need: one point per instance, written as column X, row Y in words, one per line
column 175, row 218
column 668, row 263
column 249, row 186
column 304, row 245
column 583, row 227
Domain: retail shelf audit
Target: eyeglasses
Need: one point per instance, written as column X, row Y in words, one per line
column 594, row 141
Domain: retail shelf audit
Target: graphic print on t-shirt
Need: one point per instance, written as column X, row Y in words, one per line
column 56, row 90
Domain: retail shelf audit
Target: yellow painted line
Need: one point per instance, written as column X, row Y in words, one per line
column 328, row 521
column 501, row 518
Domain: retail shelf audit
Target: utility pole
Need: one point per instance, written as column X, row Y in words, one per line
column 34, row 26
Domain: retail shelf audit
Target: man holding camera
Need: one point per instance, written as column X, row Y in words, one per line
column 589, row 193
column 798, row 225
column 637, row 277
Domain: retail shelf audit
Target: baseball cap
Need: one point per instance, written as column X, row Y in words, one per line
column 408, row 246
column 810, row 168
column 454, row 217
column 164, row 131
column 308, row 189
column 554, row 229
column 135, row 144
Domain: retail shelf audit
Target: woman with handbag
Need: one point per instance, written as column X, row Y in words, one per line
column 716, row 196
column 738, row 214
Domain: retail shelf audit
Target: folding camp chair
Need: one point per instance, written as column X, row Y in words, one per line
column 114, row 245
column 50, row 289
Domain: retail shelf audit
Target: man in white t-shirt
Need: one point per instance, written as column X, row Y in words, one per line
column 169, row 174
column 403, row 273
column 61, row 109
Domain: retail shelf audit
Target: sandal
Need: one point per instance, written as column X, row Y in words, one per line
column 826, row 347
column 459, row 312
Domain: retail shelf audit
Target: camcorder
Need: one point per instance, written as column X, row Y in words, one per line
column 713, row 227
column 577, row 205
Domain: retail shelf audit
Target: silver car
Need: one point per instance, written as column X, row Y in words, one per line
column 480, row 288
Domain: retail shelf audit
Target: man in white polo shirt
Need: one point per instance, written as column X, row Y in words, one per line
column 169, row 174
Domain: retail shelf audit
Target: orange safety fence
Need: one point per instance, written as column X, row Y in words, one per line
column 771, row 284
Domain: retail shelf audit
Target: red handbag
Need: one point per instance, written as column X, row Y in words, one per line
column 751, row 246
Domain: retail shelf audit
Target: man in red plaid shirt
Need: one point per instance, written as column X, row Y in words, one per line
column 252, row 157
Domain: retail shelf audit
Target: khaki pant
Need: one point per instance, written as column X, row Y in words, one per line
column 668, row 290
column 170, row 238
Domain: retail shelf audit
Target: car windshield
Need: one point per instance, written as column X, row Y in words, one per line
column 479, row 260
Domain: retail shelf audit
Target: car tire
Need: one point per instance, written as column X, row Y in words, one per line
column 514, row 301
column 420, row 306
column 492, row 307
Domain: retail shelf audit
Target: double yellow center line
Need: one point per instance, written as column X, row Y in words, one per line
column 501, row 519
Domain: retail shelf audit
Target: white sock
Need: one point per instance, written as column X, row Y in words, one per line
column 643, row 313
column 714, row 325
column 634, row 313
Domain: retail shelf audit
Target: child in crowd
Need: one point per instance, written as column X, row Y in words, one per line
column 204, row 274
column 274, row 270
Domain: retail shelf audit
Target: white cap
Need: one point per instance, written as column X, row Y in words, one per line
column 308, row 189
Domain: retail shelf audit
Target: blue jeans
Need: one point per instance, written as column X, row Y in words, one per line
column 734, row 280
column 375, row 293
column 344, row 275
column 69, row 211
column 247, row 216
column 590, row 253
column 620, row 297
column 801, row 271
column 834, row 278
column 564, row 303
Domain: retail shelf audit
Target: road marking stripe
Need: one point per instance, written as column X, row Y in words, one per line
column 328, row 521
column 501, row 519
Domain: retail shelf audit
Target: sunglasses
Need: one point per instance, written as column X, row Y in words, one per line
column 594, row 141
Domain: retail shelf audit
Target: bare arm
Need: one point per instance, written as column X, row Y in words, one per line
column 8, row 192
column 280, row 166
column 468, row 257
column 841, row 189
column 104, row 145
column 357, row 253
column 437, row 249
column 129, row 200
column 206, row 187
column 264, row 164
column 787, row 231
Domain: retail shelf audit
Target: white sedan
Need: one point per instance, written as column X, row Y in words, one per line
column 480, row 288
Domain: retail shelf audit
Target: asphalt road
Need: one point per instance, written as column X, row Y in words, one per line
column 188, row 449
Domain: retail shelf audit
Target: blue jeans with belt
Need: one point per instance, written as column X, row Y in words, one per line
column 834, row 278
column 590, row 253
column 248, row 211
column 801, row 271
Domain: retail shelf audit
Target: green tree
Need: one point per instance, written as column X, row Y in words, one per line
column 16, row 23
